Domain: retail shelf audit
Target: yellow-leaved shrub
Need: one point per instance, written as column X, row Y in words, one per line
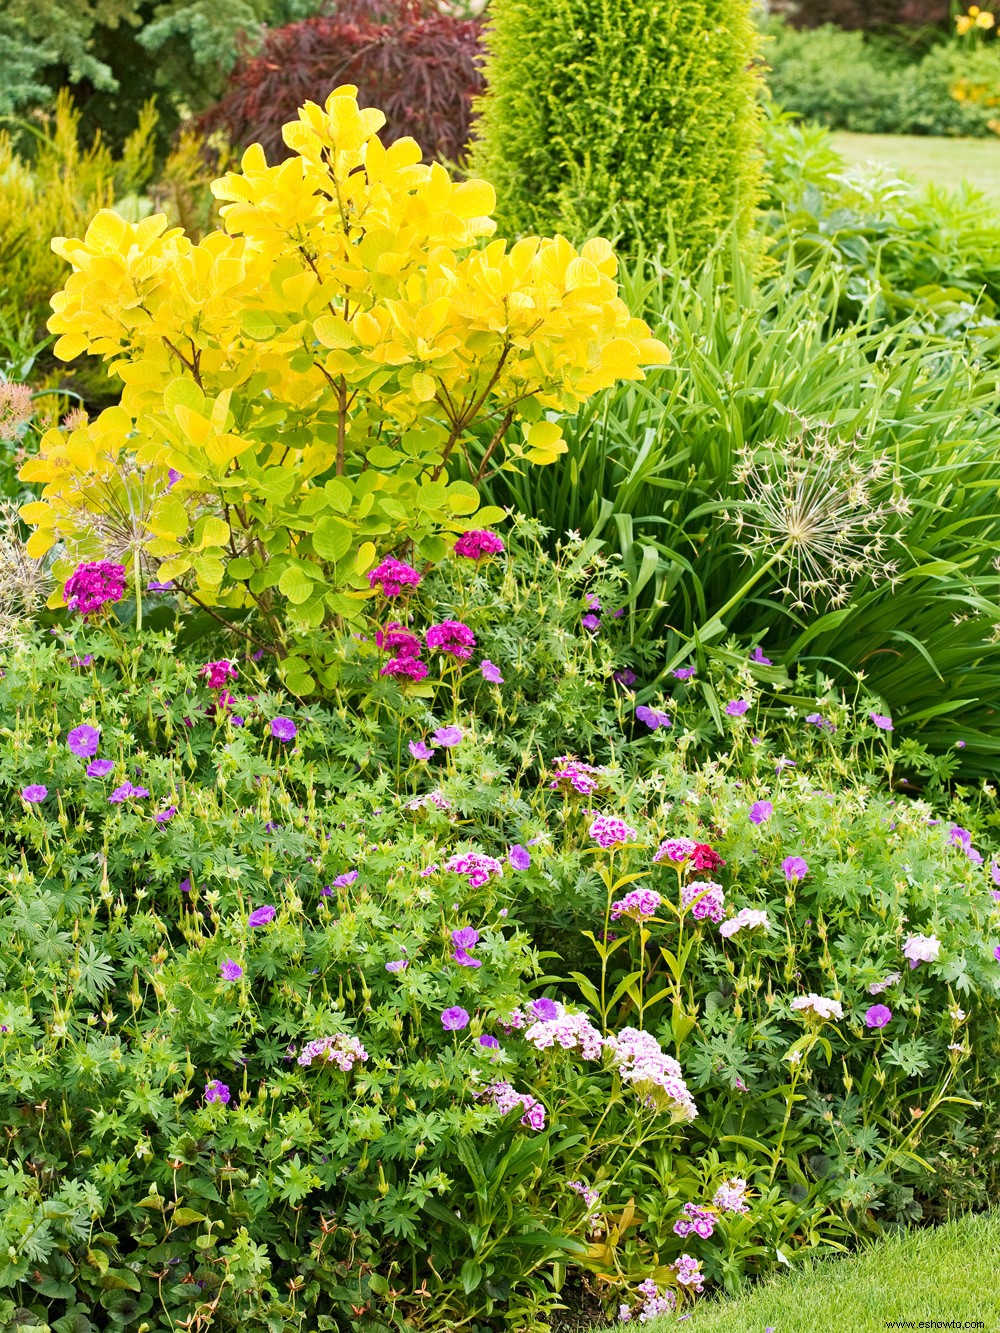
column 296, row 384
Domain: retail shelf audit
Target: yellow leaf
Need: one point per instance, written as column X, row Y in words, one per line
column 70, row 346
column 424, row 387
column 40, row 541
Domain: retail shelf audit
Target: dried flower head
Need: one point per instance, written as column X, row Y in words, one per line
column 810, row 506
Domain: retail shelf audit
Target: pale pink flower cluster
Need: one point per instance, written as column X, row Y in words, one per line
column 608, row 831
column 653, row 1304
column 730, row 1197
column 434, row 798
column 921, row 949
column 504, row 1097
column 818, row 1006
column 341, row 1050
column 570, row 1031
column 689, row 1272
column 675, row 849
column 638, row 903
column 747, row 918
column 710, row 903
column 656, row 1076
column 476, row 867
column 591, row 1197
column 877, row 987
column 696, row 1220
column 573, row 774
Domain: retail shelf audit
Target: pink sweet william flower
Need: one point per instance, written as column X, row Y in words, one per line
column 404, row 668
column 637, row 904
column 341, row 1050
column 678, row 850
column 393, row 576
column 695, row 1220
column 398, row 641
column 218, row 673
column 476, row 867
column 570, row 1032
column 705, row 858
column 573, row 774
column 452, row 638
column 93, row 586
column 474, row 545
column 504, row 1097
column 705, row 898
column 609, row 832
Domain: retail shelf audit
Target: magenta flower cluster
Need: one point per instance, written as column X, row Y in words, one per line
column 574, row 775
column 452, row 638
column 93, row 586
column 474, row 545
column 217, row 674
column 476, row 867
column 393, row 577
column 609, row 832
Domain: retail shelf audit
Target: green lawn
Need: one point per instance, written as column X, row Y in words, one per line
column 949, row 1276
column 929, row 161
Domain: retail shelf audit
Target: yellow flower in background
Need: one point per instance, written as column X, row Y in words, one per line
column 974, row 18
column 985, row 21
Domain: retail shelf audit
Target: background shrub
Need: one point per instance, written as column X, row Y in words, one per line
column 581, row 122
column 414, row 63
column 849, row 80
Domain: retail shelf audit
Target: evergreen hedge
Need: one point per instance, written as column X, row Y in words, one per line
column 635, row 114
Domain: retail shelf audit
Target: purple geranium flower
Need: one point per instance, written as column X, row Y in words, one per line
column 625, row 678
column 654, row 718
column 996, row 953
column 162, row 816
column 544, row 1009
column 231, row 970
column 591, row 622
column 100, row 768
column 447, row 737
column 881, row 721
column 685, row 673
column 795, row 869
column 260, row 916
column 348, row 877
column 420, row 751
column 126, row 792
column 283, row 729
column 35, row 793
column 736, row 707
column 519, row 857
column 397, row 965
column 758, row 657
column 878, row 1016
column 454, row 1019
column 761, row 812
column 490, row 1043
column 217, row 1092
column 84, row 740
column 490, row 672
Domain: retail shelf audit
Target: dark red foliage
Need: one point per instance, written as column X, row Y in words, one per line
column 866, row 13
column 414, row 63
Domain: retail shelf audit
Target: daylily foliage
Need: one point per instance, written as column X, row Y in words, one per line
column 311, row 370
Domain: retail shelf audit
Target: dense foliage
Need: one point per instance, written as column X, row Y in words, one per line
column 210, row 887
column 850, row 81
column 416, row 64
column 582, row 123
column 119, row 53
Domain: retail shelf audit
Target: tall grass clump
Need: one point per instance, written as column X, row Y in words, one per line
column 689, row 480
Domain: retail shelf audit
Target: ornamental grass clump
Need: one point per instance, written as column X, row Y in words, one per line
column 298, row 385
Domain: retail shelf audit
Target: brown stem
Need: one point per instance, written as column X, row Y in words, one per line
column 498, row 435
column 244, row 634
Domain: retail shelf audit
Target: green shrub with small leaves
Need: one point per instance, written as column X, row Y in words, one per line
column 583, row 127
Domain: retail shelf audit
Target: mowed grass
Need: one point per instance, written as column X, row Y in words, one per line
column 944, row 162
column 943, row 1276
